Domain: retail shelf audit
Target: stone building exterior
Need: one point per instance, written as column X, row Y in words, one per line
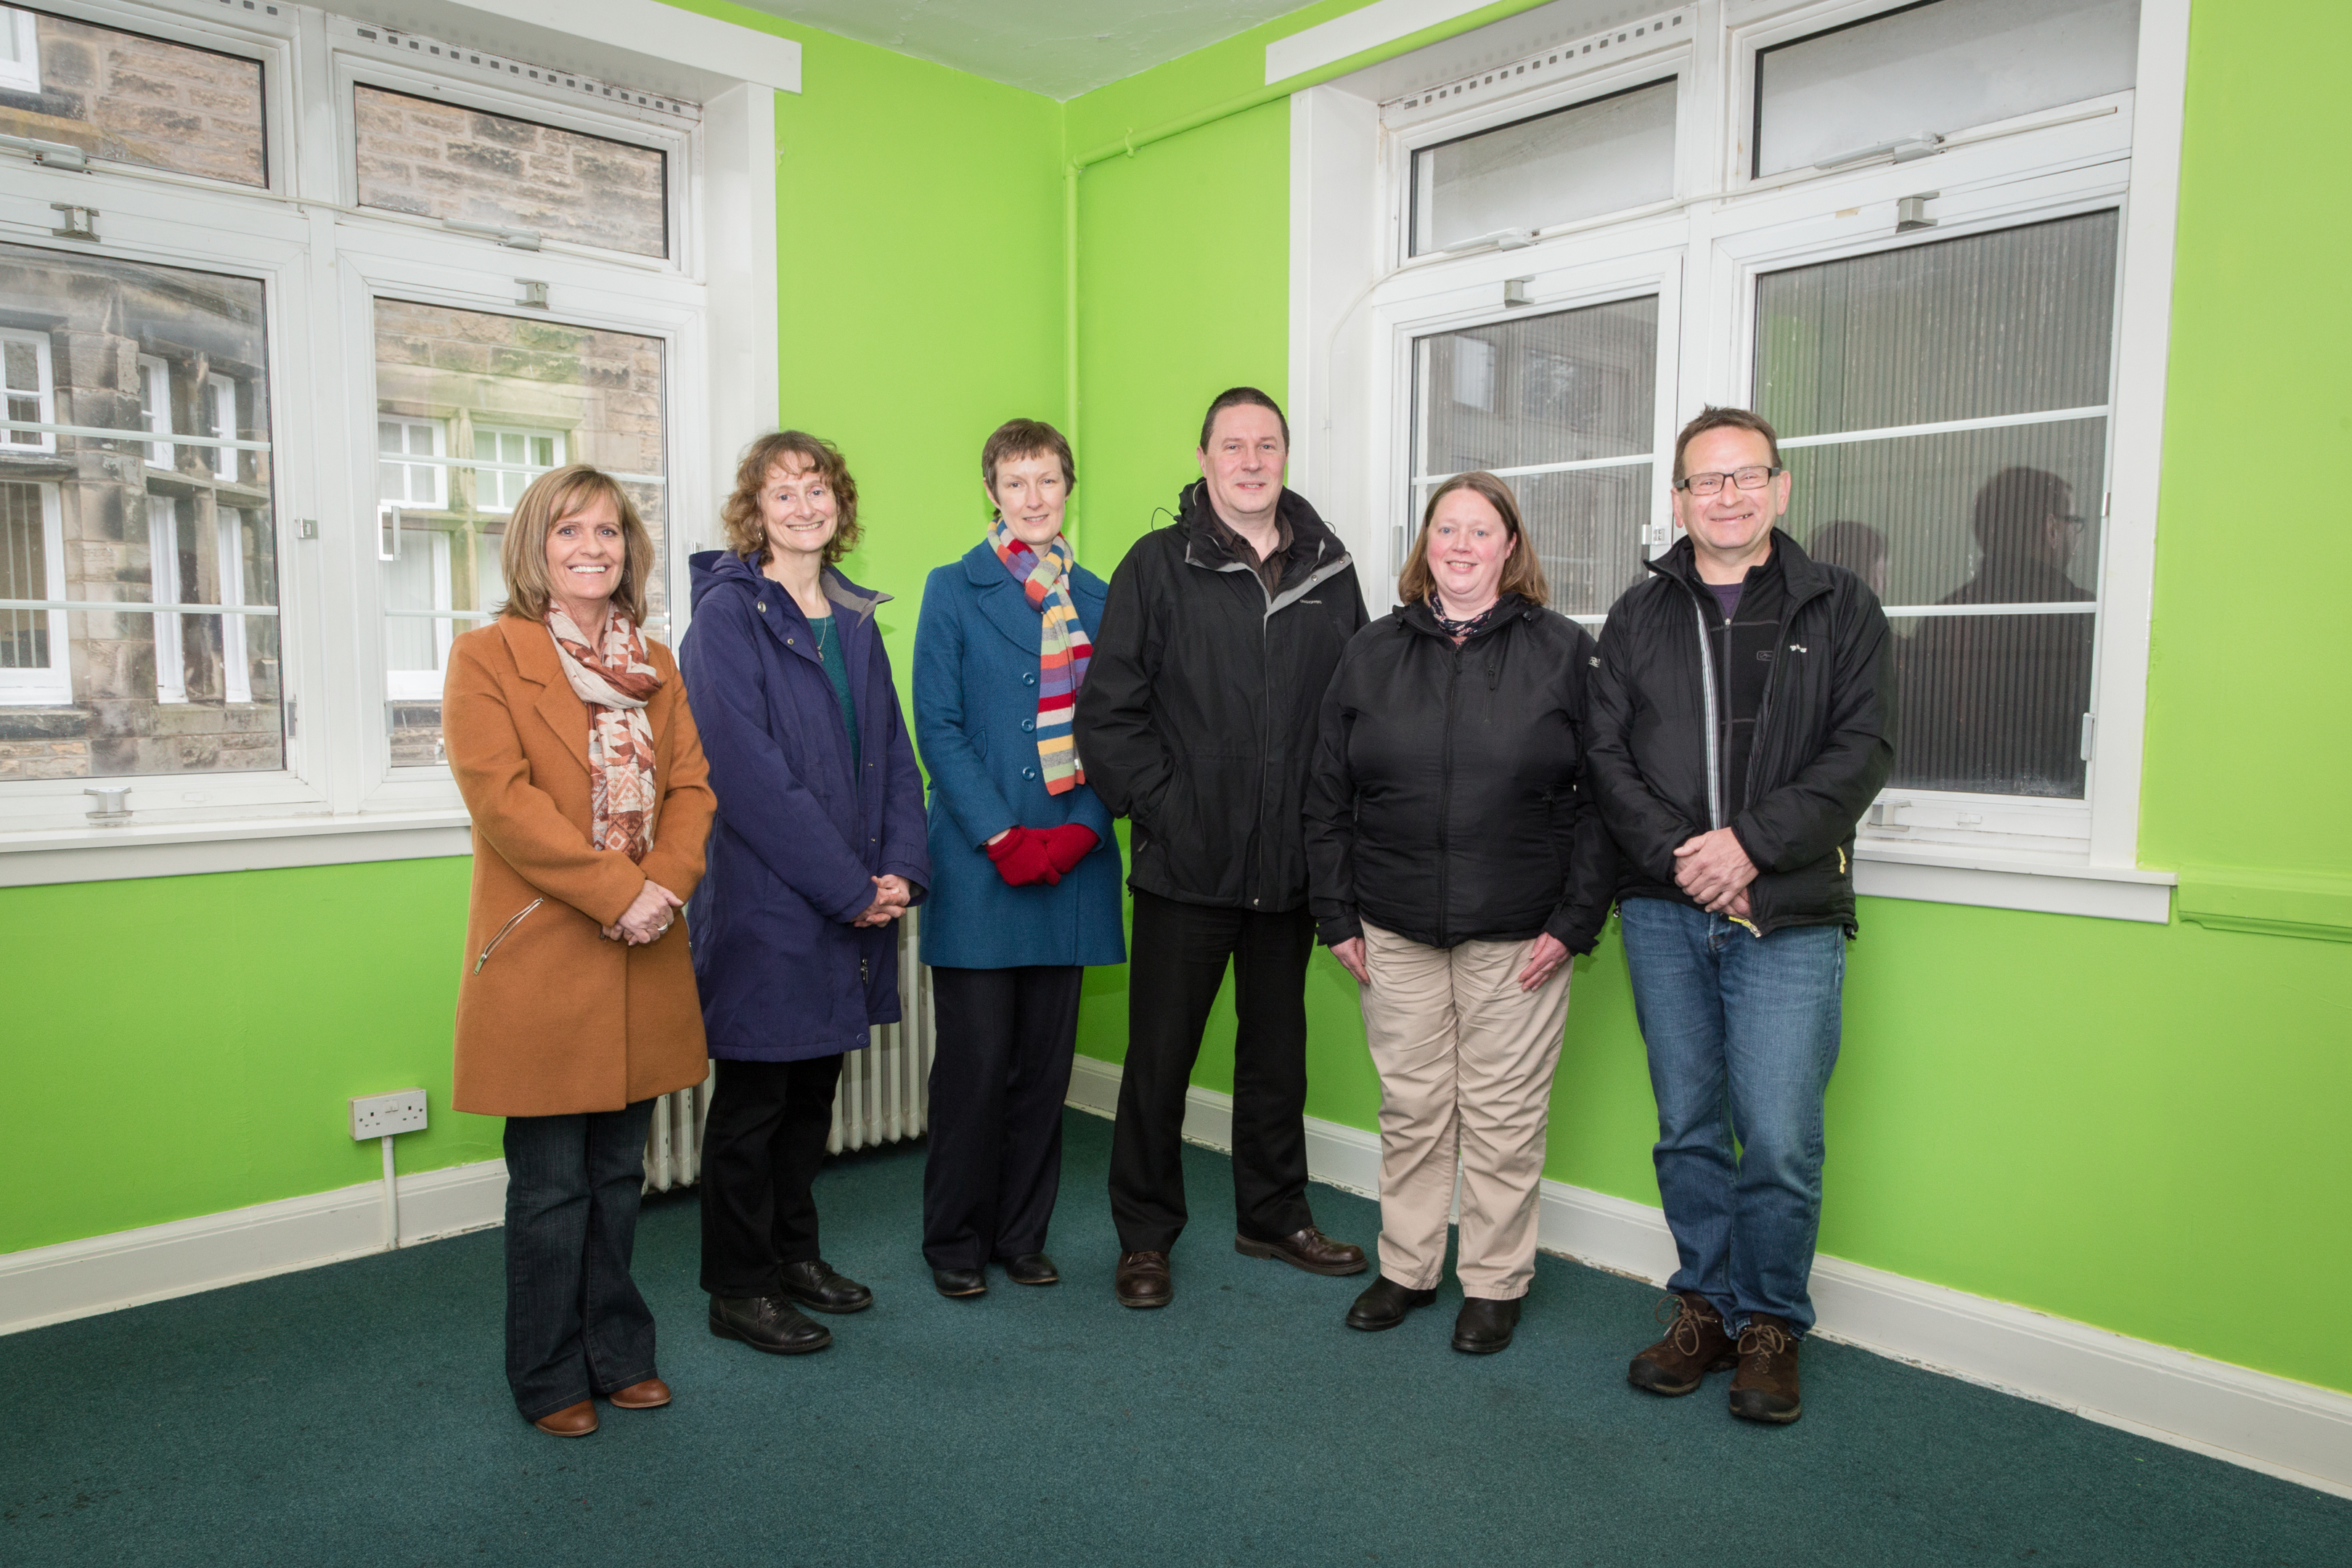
column 138, row 99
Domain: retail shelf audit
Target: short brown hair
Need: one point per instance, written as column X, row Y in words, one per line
column 1522, row 573
column 747, row 535
column 553, row 495
column 1242, row 397
column 1712, row 418
column 1027, row 438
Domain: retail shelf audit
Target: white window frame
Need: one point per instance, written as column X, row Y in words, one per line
column 220, row 391
column 164, row 588
column 20, row 69
column 320, row 262
column 50, row 686
column 438, row 430
column 155, row 408
column 44, row 392
column 1358, row 299
column 560, row 438
column 236, row 658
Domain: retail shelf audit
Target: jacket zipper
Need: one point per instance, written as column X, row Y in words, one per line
column 494, row 941
column 1445, row 800
column 1706, row 686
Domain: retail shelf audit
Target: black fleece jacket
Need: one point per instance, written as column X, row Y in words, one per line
column 1824, row 737
column 1446, row 804
column 1197, row 717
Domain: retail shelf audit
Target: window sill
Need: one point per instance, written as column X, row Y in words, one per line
column 261, row 844
column 2055, row 885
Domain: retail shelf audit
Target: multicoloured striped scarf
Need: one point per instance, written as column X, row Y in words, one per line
column 1061, row 654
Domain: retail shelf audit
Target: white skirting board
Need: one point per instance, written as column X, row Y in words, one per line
column 130, row 1267
column 2296, row 1431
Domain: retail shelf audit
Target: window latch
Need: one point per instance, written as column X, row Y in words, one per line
column 48, row 154
column 81, row 223
column 512, row 239
column 534, row 293
column 113, row 807
column 1911, row 212
column 2090, row 734
column 387, row 532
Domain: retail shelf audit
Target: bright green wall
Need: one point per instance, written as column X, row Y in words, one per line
column 2130, row 1125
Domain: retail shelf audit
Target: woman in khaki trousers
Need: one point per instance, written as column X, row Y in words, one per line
column 1454, row 864
column 570, row 736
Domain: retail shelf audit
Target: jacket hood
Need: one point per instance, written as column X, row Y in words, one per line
column 1306, row 524
column 1508, row 607
column 706, row 569
column 1803, row 575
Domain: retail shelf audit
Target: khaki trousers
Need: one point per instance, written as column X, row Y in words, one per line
column 1465, row 1058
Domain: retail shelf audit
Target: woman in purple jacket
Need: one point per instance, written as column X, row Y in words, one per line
column 817, row 849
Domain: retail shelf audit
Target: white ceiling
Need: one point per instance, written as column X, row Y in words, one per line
column 1058, row 47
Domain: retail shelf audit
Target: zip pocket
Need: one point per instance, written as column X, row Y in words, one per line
column 494, row 941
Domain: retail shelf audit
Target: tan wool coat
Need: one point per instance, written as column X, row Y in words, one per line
column 555, row 1019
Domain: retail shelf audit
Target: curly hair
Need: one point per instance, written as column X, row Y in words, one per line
column 747, row 535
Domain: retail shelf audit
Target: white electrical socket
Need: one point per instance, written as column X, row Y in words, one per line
column 381, row 1115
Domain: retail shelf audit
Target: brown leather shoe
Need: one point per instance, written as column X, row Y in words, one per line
column 1143, row 1279
column 1695, row 1345
column 1310, row 1250
column 571, row 1421
column 1764, row 1386
column 650, row 1394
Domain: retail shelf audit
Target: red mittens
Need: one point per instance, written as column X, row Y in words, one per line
column 1022, row 857
column 1067, row 845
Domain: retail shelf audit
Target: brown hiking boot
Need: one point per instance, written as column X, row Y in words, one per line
column 1765, row 1387
column 1695, row 1345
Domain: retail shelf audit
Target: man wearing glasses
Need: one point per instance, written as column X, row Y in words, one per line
column 1742, row 721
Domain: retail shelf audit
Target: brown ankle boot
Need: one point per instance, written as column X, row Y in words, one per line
column 1695, row 1345
column 1765, row 1387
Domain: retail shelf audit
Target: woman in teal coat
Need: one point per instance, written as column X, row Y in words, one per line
column 1024, row 869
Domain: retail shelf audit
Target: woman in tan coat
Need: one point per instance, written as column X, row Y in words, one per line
column 571, row 739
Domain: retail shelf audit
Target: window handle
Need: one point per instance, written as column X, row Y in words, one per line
column 387, row 534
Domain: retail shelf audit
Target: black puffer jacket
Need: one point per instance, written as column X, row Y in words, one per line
column 1824, row 736
column 1197, row 718
column 1446, row 805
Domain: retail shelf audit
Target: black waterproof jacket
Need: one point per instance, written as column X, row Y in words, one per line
column 1197, row 717
column 1446, row 804
column 1824, row 736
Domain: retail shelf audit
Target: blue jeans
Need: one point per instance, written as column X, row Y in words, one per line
column 1742, row 1034
column 575, row 1323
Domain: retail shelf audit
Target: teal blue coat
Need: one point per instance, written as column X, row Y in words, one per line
column 976, row 691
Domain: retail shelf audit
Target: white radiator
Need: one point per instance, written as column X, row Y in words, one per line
column 885, row 1094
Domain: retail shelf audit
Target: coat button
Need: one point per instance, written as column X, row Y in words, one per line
column 1028, row 723
column 788, row 642
column 1029, row 679
column 1028, row 773
column 764, row 606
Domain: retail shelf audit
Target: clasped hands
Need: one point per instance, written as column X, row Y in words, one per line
column 892, row 895
column 1714, row 871
column 648, row 916
column 1026, row 855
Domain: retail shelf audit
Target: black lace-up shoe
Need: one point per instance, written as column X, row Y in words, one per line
column 767, row 1323
column 1384, row 1304
column 815, row 1286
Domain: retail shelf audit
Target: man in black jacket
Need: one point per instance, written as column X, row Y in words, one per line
column 1197, row 721
column 1743, row 718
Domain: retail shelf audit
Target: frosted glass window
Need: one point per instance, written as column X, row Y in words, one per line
column 131, row 99
column 1932, row 68
column 1564, row 406
column 1983, row 543
column 1597, row 157
column 468, row 387
column 126, row 690
column 446, row 160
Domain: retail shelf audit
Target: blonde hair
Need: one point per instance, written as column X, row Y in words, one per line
column 557, row 494
column 747, row 534
column 1522, row 573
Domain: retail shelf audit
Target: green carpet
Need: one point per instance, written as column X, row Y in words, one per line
column 356, row 1413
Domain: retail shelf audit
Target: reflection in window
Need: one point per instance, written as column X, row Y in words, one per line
column 134, row 521
column 456, row 448
column 1983, row 542
column 1931, row 69
column 444, row 161
column 1596, row 157
column 1563, row 407
column 131, row 99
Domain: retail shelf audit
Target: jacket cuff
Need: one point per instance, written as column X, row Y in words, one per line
column 1577, row 929
column 918, row 876
column 1333, row 929
column 1763, row 863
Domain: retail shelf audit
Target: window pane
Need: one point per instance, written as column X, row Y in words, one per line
column 138, row 99
column 114, row 693
column 1994, row 704
column 2015, row 322
column 523, row 393
column 1571, row 386
column 1934, row 69
column 446, row 160
column 1598, row 157
column 2000, row 326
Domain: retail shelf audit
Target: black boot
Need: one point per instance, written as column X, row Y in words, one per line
column 767, row 1323
column 1384, row 1304
column 1484, row 1326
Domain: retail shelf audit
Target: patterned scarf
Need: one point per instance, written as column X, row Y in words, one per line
column 617, row 682
column 1061, row 654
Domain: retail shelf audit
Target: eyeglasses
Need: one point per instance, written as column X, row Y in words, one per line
column 1752, row 478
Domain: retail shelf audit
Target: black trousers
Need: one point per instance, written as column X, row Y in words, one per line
column 760, row 1150
column 1177, row 960
column 575, row 1323
column 998, row 1080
